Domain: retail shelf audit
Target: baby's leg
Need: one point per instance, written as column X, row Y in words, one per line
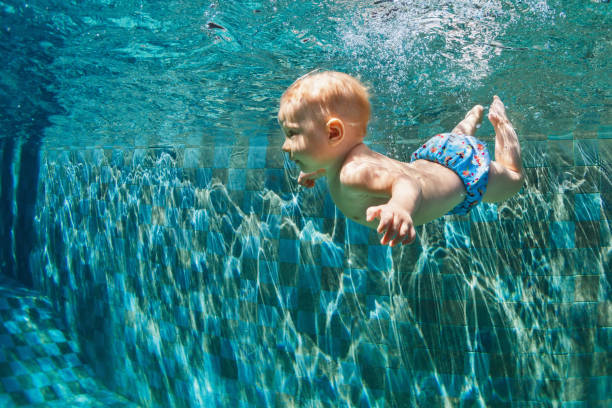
column 506, row 174
column 472, row 119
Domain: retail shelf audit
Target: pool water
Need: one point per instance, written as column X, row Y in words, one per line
column 149, row 215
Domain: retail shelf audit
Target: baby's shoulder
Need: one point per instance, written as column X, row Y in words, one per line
column 354, row 167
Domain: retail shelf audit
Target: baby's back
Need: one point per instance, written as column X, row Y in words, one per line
column 441, row 188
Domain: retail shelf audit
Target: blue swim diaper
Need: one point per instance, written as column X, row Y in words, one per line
column 466, row 156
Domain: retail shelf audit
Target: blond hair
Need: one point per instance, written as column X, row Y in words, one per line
column 328, row 94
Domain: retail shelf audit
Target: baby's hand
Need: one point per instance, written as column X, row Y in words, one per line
column 308, row 179
column 397, row 223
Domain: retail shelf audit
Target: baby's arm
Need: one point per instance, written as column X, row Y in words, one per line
column 308, row 179
column 405, row 198
column 396, row 215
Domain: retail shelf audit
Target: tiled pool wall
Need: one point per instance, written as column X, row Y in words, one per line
column 39, row 365
column 200, row 276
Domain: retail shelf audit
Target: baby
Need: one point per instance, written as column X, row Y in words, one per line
column 324, row 117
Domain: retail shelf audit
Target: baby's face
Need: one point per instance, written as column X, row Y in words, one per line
column 305, row 140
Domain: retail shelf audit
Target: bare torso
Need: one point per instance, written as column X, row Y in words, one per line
column 441, row 188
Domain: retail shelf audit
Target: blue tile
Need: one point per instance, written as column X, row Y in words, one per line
column 187, row 196
column 310, row 277
column 145, row 214
column 355, row 281
column 201, row 220
column 535, row 153
column 56, row 335
column 227, row 349
column 67, row 375
column 604, row 338
column 562, row 288
column 251, row 246
column 574, row 404
column 46, row 364
column 600, row 387
column 329, row 208
column 288, row 384
column 257, row 157
column 105, row 174
column 307, row 322
column 40, row 380
column 583, row 314
column 478, row 365
column 6, row 340
column 222, row 157
column 17, row 368
column 6, row 400
column 375, row 308
column 288, row 250
column 379, row 258
column 236, row 179
column 315, row 222
column 350, row 375
column 12, row 328
column 214, row 243
column 203, row 177
column 269, row 316
column 24, row 352
column 183, row 319
column 10, row 384
column 34, row 396
column 61, row 390
column 356, row 233
column 310, row 232
column 484, row 212
column 457, row 234
column 253, row 202
column 191, row 158
column 587, row 207
column 51, row 349
column 565, row 136
column 288, row 297
column 586, row 152
column 273, row 179
column 270, row 227
column 605, row 132
column 332, row 255
column 268, row 272
column 248, row 291
column 453, row 384
column 247, row 373
column 562, row 234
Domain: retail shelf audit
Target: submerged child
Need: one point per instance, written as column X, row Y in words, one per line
column 324, row 117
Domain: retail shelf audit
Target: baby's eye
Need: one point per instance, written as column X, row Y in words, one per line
column 291, row 133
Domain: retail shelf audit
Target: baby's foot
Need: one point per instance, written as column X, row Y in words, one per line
column 475, row 115
column 470, row 123
column 497, row 113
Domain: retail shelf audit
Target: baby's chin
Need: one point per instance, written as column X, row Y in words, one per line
column 304, row 168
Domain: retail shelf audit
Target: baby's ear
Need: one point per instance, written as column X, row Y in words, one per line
column 335, row 130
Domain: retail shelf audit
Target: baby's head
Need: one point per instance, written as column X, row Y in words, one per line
column 326, row 94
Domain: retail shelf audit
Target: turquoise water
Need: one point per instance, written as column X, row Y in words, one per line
column 145, row 197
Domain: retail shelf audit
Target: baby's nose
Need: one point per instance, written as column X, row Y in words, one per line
column 286, row 147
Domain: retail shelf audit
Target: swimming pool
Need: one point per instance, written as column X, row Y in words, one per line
column 146, row 200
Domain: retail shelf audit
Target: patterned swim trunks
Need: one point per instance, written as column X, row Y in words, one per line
column 466, row 156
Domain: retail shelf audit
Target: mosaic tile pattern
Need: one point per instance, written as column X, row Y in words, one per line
column 39, row 365
column 202, row 277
